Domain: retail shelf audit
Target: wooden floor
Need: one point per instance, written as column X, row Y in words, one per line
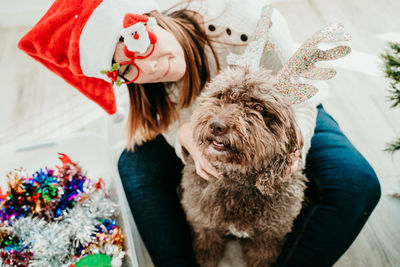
column 358, row 102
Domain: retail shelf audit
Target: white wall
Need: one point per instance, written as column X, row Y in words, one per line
column 22, row 12
column 27, row 12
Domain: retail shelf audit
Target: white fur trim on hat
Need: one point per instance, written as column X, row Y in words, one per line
column 102, row 31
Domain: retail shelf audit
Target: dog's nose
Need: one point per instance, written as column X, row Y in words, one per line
column 218, row 127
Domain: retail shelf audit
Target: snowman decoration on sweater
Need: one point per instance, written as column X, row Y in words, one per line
column 137, row 32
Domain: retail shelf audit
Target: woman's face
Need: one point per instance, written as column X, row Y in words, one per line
column 166, row 63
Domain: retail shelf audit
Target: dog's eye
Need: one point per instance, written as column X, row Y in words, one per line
column 258, row 107
column 220, row 96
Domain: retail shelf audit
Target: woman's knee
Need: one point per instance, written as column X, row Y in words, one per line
column 152, row 156
column 343, row 179
column 153, row 161
column 132, row 168
column 369, row 191
column 354, row 193
column 338, row 170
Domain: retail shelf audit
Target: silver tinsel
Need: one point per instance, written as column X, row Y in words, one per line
column 100, row 206
column 51, row 243
column 27, row 228
column 81, row 223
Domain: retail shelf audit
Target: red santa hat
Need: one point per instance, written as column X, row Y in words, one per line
column 76, row 39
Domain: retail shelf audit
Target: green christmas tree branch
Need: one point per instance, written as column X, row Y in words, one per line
column 392, row 147
column 391, row 59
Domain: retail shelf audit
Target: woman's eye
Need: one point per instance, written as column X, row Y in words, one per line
column 258, row 107
column 220, row 96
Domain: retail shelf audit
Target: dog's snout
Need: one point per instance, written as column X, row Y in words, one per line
column 218, row 127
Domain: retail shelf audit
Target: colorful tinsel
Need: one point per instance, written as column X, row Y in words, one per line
column 57, row 218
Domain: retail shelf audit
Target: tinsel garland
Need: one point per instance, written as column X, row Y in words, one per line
column 57, row 218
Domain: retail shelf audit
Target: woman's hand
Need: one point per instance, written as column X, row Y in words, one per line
column 203, row 166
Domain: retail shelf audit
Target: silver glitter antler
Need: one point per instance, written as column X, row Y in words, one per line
column 302, row 63
column 254, row 50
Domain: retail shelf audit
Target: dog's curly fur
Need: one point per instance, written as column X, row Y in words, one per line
column 247, row 130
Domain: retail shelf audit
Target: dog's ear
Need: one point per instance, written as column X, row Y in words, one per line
column 278, row 172
column 295, row 138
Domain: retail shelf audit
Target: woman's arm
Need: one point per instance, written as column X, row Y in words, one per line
column 306, row 115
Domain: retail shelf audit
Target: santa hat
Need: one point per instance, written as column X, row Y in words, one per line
column 76, row 39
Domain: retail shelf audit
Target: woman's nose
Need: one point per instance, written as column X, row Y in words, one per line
column 147, row 65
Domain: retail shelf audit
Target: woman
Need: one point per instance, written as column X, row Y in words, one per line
column 79, row 40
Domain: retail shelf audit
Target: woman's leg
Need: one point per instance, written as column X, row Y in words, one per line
column 346, row 190
column 150, row 176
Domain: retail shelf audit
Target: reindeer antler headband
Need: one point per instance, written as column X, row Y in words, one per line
column 301, row 64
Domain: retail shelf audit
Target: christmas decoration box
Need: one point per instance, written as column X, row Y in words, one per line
column 92, row 154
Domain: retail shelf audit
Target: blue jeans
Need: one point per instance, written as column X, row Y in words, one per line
column 342, row 184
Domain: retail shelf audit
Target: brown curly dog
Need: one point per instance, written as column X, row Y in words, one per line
column 247, row 130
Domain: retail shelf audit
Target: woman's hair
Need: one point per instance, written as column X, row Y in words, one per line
column 151, row 109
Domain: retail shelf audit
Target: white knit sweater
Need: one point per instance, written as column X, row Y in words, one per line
column 230, row 22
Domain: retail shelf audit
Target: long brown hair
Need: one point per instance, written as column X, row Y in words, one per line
column 151, row 109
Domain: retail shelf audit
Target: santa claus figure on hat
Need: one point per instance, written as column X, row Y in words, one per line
column 137, row 32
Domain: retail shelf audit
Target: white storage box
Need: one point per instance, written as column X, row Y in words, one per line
column 91, row 152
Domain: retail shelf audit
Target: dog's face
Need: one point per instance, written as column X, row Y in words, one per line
column 243, row 122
